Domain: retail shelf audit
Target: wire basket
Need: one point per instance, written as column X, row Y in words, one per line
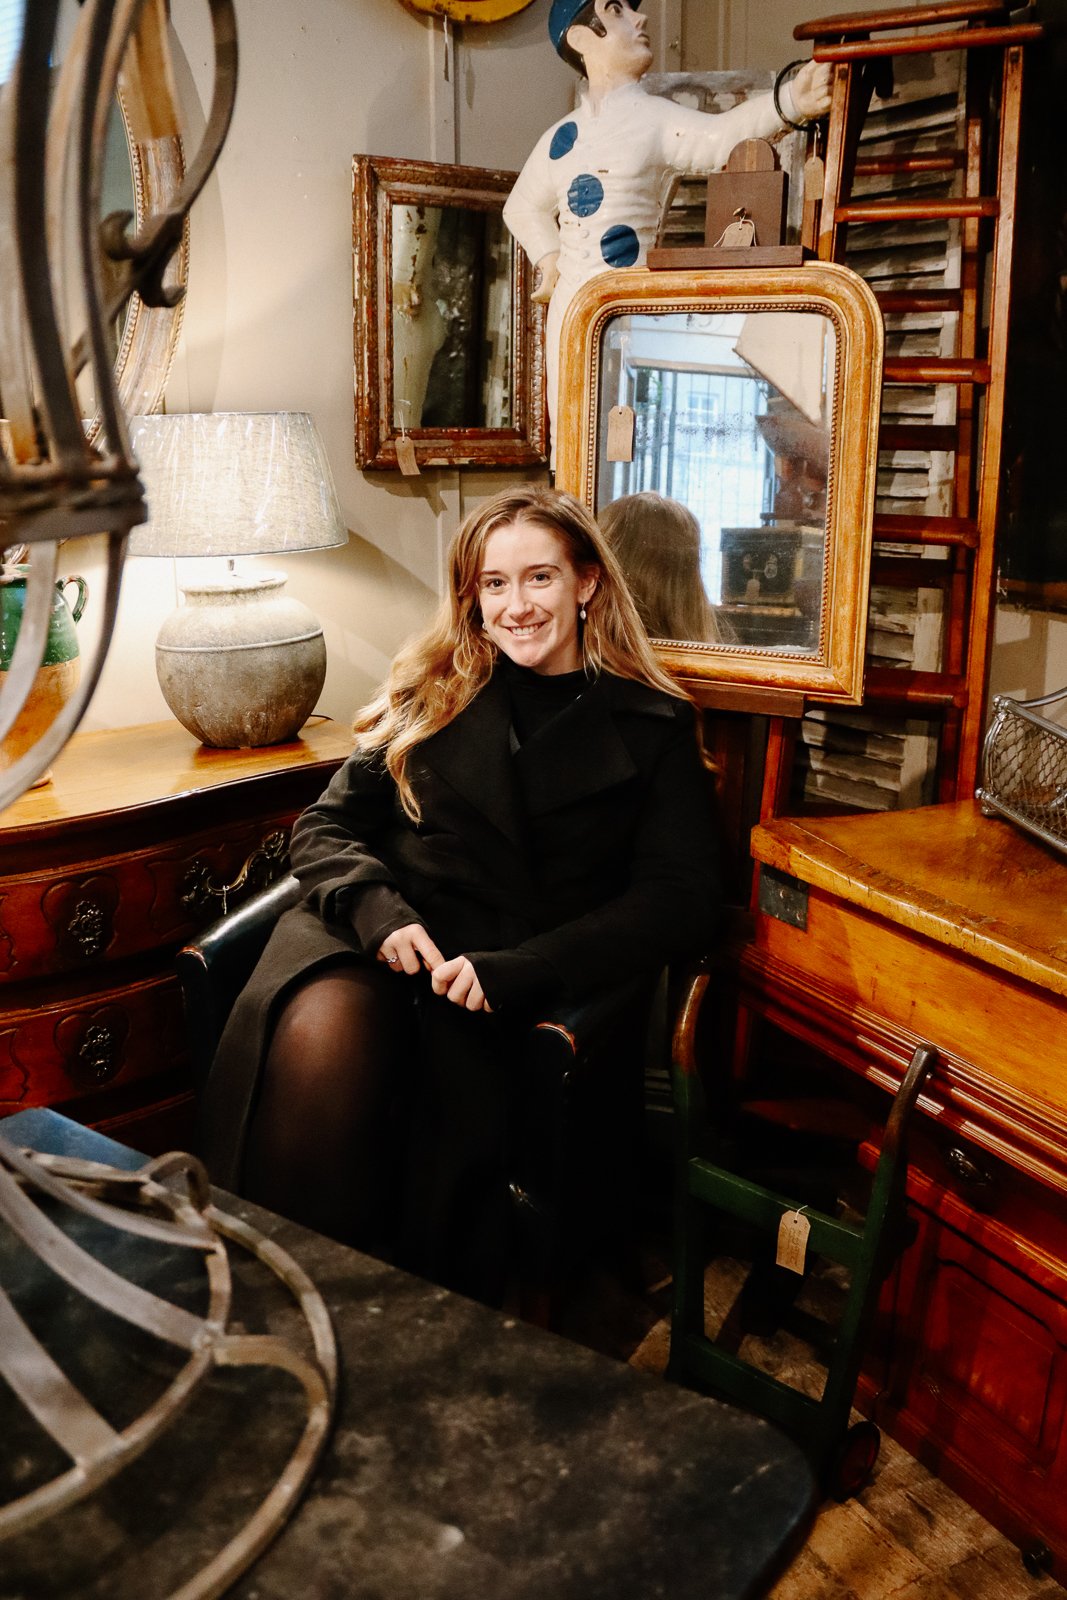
column 1024, row 767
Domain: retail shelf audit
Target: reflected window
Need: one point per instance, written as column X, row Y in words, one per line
column 10, row 35
column 731, row 420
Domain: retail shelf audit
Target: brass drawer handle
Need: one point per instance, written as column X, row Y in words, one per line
column 967, row 1169
column 99, row 1053
column 87, row 927
column 262, row 867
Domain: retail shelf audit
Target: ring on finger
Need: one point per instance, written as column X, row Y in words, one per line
column 392, row 960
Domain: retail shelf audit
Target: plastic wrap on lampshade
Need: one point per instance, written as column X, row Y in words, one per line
column 1024, row 767
column 234, row 483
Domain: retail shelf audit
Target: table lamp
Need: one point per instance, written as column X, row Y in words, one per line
column 240, row 664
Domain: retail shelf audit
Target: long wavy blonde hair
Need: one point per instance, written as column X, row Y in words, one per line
column 437, row 674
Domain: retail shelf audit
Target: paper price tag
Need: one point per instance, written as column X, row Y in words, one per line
column 814, row 176
column 793, row 1233
column 405, row 456
column 620, row 433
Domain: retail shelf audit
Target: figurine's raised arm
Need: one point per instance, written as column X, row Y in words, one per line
column 592, row 191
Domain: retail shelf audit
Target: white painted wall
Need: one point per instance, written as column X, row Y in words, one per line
column 268, row 316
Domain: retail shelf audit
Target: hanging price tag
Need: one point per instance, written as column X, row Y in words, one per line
column 405, row 457
column 793, row 1233
column 814, row 177
column 620, row 433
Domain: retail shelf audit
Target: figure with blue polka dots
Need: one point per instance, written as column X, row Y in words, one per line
column 593, row 190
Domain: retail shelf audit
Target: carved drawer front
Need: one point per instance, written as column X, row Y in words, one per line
column 72, row 919
column 71, row 1048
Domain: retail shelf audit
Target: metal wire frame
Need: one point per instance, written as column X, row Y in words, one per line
column 56, row 483
column 185, row 1220
column 1024, row 767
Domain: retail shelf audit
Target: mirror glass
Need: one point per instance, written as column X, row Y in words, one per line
column 453, row 362
column 448, row 353
column 725, row 542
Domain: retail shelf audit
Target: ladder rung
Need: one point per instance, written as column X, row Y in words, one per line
column 846, row 22
column 929, row 43
column 895, row 528
column 878, row 166
column 917, row 436
column 915, row 210
column 934, row 369
column 930, row 689
column 919, row 299
column 910, row 572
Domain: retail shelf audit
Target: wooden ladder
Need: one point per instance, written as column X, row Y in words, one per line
column 861, row 47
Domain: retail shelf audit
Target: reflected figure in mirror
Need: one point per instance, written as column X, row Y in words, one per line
column 593, row 190
column 657, row 542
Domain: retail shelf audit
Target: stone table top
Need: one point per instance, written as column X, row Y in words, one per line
column 473, row 1455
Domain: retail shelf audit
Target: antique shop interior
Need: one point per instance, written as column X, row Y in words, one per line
column 785, row 1307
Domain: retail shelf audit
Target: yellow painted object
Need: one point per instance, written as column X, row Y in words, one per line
column 468, row 10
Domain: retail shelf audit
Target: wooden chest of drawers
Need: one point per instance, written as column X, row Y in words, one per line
column 142, row 838
column 941, row 925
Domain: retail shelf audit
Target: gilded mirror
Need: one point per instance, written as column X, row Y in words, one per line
column 447, row 344
column 144, row 168
column 724, row 431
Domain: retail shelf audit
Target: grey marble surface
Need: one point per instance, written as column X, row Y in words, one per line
column 473, row 1456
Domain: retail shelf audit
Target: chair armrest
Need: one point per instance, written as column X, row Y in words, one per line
column 215, row 967
column 582, row 1023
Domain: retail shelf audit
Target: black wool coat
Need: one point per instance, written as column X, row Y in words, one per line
column 572, row 864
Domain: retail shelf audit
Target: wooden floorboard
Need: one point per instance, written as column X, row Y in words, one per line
column 906, row 1536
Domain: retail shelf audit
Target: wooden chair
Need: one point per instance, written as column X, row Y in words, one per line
column 711, row 1190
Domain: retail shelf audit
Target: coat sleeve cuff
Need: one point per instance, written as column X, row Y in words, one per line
column 374, row 911
column 515, row 978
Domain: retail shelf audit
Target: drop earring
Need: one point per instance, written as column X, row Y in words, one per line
column 581, row 612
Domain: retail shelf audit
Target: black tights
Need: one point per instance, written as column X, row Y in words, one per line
column 321, row 1145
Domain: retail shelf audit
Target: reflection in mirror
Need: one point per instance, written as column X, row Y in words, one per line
column 719, row 514
column 452, row 298
column 448, row 361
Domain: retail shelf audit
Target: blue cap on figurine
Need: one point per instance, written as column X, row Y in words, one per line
column 563, row 14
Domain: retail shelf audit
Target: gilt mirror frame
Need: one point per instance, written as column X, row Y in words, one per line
column 150, row 333
column 833, row 670
column 380, row 184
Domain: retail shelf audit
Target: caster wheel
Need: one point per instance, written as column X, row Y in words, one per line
column 854, row 1460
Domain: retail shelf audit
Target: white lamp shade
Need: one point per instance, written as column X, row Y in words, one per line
column 234, row 483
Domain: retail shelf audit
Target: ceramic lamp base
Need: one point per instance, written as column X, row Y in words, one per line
column 241, row 665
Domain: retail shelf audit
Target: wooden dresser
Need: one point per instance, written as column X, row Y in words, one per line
column 142, row 838
column 876, row 932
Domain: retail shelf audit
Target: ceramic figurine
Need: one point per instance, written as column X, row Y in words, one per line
column 592, row 192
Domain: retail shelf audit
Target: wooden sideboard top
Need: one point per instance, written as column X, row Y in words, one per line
column 976, row 884
column 117, row 769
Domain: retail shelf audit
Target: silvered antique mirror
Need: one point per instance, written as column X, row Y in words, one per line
column 447, row 345
column 723, row 427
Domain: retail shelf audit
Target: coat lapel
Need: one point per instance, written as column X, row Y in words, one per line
column 579, row 753
column 582, row 752
column 473, row 755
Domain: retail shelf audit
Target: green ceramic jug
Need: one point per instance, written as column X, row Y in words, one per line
column 58, row 674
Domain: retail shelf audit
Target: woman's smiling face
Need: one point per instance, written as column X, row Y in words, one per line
column 529, row 593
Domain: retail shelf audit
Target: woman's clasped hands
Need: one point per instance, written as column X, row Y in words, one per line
column 410, row 948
